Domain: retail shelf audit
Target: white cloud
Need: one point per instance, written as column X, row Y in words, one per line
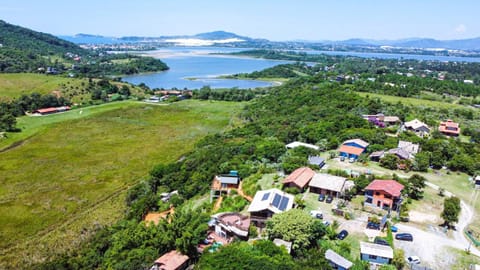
column 461, row 28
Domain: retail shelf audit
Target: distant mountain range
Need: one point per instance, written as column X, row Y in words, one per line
column 96, row 39
column 424, row 43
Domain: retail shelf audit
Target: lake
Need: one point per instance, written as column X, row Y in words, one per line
column 195, row 62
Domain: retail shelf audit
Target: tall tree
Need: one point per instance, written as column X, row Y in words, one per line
column 295, row 226
column 451, row 210
column 416, row 184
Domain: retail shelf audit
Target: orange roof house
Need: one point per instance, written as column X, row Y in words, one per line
column 353, row 148
column 449, row 128
column 385, row 194
column 299, row 178
column 172, row 260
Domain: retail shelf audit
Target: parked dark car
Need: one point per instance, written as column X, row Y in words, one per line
column 381, row 241
column 404, row 237
column 329, row 199
column 373, row 225
column 321, row 197
column 342, row 234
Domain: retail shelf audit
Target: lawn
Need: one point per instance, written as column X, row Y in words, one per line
column 72, row 171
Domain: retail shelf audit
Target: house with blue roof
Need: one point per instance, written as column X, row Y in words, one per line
column 353, row 148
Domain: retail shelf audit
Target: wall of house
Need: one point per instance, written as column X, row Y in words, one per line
column 343, row 154
column 376, row 197
column 323, row 191
column 374, row 259
column 293, row 185
column 259, row 218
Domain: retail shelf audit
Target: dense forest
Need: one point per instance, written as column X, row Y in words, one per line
column 306, row 109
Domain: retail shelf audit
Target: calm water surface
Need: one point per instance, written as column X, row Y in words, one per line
column 194, row 62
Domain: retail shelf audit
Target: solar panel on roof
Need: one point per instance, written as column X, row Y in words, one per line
column 283, row 203
column 276, row 200
column 265, row 196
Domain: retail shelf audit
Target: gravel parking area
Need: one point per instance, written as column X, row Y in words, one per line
column 432, row 248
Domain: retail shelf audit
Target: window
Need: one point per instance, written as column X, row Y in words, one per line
column 369, row 200
column 373, row 257
column 377, row 193
column 387, row 196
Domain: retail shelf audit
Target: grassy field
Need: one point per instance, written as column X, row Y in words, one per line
column 415, row 101
column 33, row 125
column 16, row 84
column 72, row 170
column 74, row 89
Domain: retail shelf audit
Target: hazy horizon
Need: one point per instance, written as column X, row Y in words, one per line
column 274, row 20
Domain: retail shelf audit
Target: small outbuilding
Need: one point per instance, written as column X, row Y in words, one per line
column 316, row 160
column 293, row 145
column 282, row 243
column 172, row 260
column 375, row 253
column 337, row 261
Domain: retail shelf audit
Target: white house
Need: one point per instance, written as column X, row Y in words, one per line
column 417, row 126
column 266, row 203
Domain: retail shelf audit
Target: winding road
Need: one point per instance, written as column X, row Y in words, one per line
column 432, row 245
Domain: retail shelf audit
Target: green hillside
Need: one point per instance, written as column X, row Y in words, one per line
column 25, row 50
column 24, row 39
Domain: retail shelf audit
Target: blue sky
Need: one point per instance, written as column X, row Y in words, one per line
column 271, row 19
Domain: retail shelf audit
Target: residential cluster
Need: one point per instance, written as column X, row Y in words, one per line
column 384, row 196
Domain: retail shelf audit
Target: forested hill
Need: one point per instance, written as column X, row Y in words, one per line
column 20, row 38
column 25, row 50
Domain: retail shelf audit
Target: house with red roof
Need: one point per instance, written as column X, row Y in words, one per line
column 172, row 260
column 353, row 148
column 449, row 128
column 51, row 110
column 299, row 178
column 385, row 194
